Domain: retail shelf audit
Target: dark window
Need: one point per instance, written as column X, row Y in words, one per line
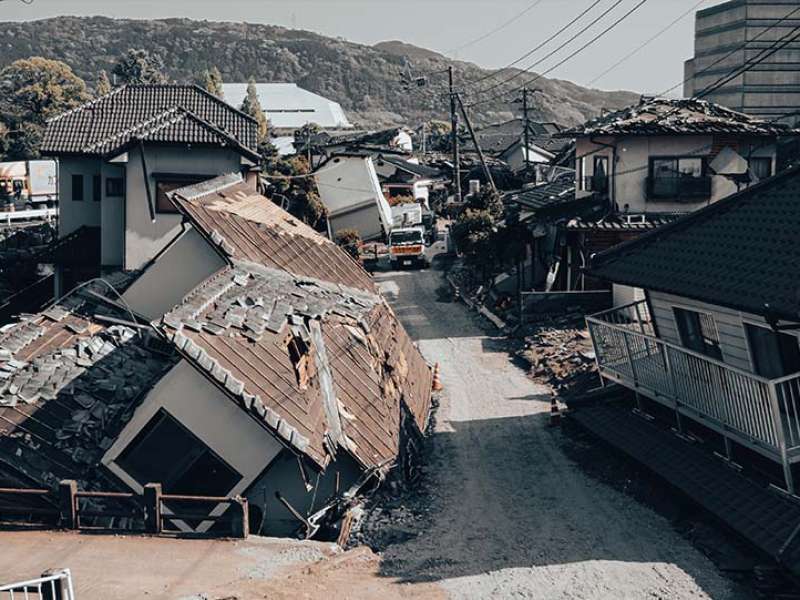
column 166, row 184
column 676, row 177
column 77, row 188
column 97, row 188
column 761, row 167
column 698, row 332
column 166, row 452
column 774, row 354
column 115, row 187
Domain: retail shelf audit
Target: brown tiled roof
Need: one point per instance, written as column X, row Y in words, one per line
column 660, row 116
column 69, row 381
column 249, row 227
column 159, row 113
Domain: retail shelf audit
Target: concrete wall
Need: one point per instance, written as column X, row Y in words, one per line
column 633, row 153
column 73, row 214
column 144, row 238
column 184, row 264
column 211, row 416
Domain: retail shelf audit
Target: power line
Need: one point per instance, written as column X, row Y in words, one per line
column 574, row 54
column 496, row 29
column 558, row 49
column 540, row 46
column 648, row 42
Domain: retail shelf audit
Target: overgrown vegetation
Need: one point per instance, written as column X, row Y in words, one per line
column 138, row 66
column 349, row 241
column 291, row 185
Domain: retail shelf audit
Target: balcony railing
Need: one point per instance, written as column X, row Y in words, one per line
column 760, row 413
column 678, row 188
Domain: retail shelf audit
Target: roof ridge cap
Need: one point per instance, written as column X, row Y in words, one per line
column 89, row 103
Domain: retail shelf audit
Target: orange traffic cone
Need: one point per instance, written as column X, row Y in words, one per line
column 555, row 413
column 436, row 385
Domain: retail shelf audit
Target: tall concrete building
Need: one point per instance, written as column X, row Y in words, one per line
column 743, row 29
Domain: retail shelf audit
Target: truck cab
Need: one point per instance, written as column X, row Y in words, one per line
column 407, row 247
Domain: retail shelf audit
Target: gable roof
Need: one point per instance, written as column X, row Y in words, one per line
column 70, row 378
column 246, row 226
column 740, row 252
column 661, row 116
column 159, row 113
column 294, row 331
column 289, row 106
column 416, row 169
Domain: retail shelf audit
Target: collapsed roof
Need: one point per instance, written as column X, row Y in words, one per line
column 739, row 252
column 152, row 113
column 661, row 116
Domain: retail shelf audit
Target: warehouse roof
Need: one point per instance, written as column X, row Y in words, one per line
column 739, row 252
column 661, row 116
column 157, row 113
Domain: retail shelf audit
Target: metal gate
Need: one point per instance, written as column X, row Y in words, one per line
column 52, row 585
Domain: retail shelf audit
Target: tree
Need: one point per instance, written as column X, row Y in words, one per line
column 349, row 241
column 140, row 67
column 212, row 82
column 291, row 184
column 251, row 106
column 103, row 85
column 33, row 90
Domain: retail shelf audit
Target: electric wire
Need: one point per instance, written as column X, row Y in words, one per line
column 498, row 29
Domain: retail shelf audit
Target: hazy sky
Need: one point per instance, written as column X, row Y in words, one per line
column 445, row 25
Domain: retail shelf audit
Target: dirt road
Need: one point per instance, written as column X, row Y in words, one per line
column 510, row 516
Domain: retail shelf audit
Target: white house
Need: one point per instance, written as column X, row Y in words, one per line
column 351, row 191
column 119, row 156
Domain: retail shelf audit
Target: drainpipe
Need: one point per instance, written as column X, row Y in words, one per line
column 612, row 176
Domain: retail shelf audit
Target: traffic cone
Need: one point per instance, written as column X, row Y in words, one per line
column 555, row 413
column 436, row 385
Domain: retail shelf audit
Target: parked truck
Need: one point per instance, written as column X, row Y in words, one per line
column 29, row 184
column 407, row 247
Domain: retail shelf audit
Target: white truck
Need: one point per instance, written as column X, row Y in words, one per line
column 407, row 247
column 30, row 184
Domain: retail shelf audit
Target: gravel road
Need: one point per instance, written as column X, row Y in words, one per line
column 509, row 515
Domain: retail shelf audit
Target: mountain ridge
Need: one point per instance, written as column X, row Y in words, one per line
column 365, row 80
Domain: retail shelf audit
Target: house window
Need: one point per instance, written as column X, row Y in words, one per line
column 115, row 187
column 170, row 183
column 97, row 188
column 77, row 188
column 698, row 332
column 676, row 177
column 774, row 354
column 598, row 182
column 165, row 452
column 761, row 167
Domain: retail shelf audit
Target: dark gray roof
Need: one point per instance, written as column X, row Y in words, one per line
column 423, row 171
column 661, row 116
column 157, row 113
column 740, row 252
column 546, row 194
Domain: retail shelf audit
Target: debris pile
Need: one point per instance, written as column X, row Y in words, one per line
column 560, row 354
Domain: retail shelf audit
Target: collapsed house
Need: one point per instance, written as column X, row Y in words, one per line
column 251, row 357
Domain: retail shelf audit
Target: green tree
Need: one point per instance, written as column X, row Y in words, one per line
column 140, row 67
column 33, row 90
column 292, row 185
column 252, row 107
column 103, row 85
column 212, row 82
column 349, row 241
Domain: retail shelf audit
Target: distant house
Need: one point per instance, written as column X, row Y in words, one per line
column 119, row 156
column 401, row 177
column 396, row 140
column 506, row 141
column 350, row 189
column 714, row 342
column 251, row 357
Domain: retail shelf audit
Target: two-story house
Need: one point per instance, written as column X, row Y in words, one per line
column 118, row 157
column 715, row 340
column 648, row 164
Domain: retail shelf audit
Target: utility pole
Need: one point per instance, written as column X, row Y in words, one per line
column 527, row 128
column 482, row 158
column 454, row 135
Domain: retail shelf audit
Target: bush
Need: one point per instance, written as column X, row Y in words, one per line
column 349, row 241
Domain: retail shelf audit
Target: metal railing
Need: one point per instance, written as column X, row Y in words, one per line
column 45, row 214
column 50, row 586
column 675, row 188
column 761, row 413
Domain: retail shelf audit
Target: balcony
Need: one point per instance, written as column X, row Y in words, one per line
column 686, row 189
column 761, row 414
